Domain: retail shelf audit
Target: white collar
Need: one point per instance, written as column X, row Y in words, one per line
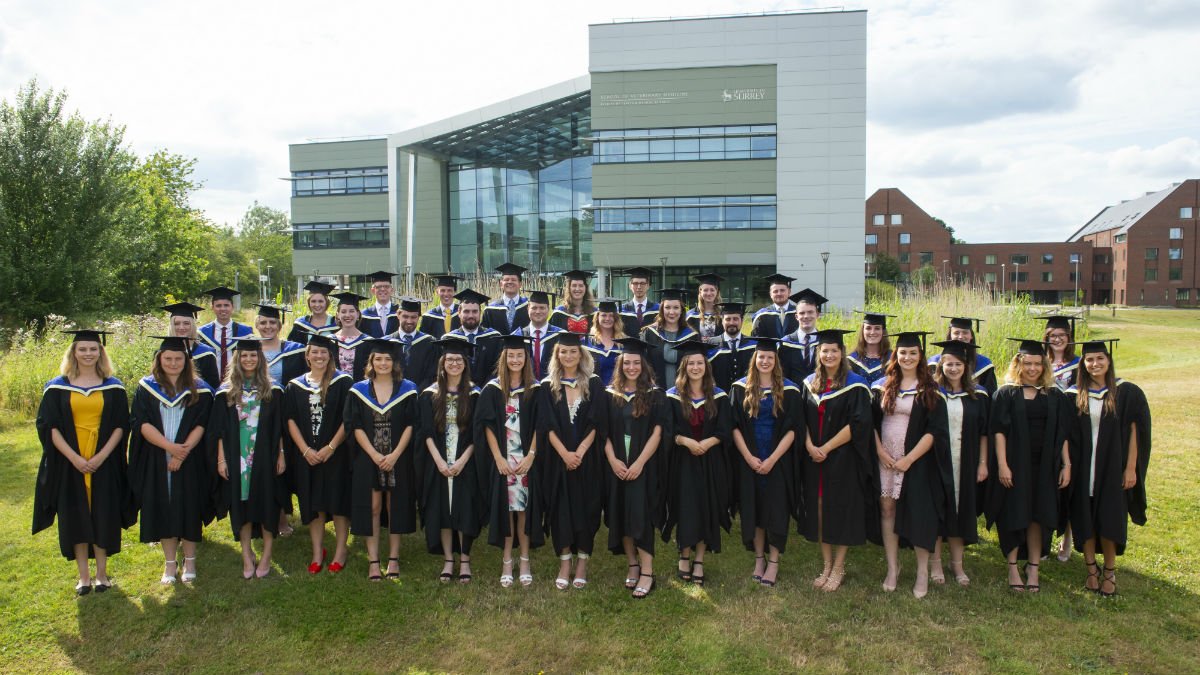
column 541, row 328
column 781, row 308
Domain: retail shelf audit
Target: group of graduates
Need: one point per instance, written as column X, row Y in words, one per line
column 531, row 421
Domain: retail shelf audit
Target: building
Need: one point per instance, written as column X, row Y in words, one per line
column 733, row 144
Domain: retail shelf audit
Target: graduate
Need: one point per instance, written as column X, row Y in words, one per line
column 667, row 329
column 966, row 329
column 285, row 359
column 767, row 423
column 350, row 359
column 778, row 318
column 640, row 311
column 572, row 402
column 1029, row 420
column 381, row 419
column 1059, row 336
column 578, row 309
column 317, row 455
column 487, row 341
column 82, row 424
column 967, row 407
column 913, row 446
column 505, row 426
column 604, row 339
column 170, row 477
column 318, row 321
column 799, row 348
column 871, row 353
column 246, row 426
column 1109, row 434
column 418, row 351
column 442, row 317
column 731, row 358
column 705, row 317
column 540, row 331
column 840, row 468
column 182, row 323
column 380, row 318
column 223, row 331
column 508, row 312
column 452, row 506
column 697, row 431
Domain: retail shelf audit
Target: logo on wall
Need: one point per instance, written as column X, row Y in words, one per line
column 729, row 95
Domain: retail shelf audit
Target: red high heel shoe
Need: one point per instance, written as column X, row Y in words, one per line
column 315, row 568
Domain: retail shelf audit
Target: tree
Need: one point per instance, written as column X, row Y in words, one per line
column 887, row 268
column 925, row 276
column 261, row 233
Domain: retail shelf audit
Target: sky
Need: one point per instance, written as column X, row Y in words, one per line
column 1010, row 119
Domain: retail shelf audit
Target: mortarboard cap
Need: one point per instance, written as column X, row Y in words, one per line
column 612, row 305
column 1066, row 323
column 171, row 343
column 732, row 307
column 632, row 345
column 248, row 344
column 381, row 275
column 445, row 279
column 221, row 293
column 875, row 318
column 956, row 348
column 581, row 275
column 569, row 339
column 679, row 294
column 964, row 323
column 765, row 344
column 809, row 296
column 510, row 268
column 408, row 304
column 830, row 336
column 271, row 311
column 779, row 279
column 321, row 287
column 1030, row 346
column 324, row 342
column 382, row 346
column 542, row 297
column 513, row 341
column 456, row 345
column 348, row 298
column 471, row 296
column 910, row 338
column 640, row 273
column 182, row 309
column 88, row 335
column 689, row 346
column 1097, row 346
column 709, row 278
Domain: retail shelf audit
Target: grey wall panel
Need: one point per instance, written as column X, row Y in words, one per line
column 337, row 155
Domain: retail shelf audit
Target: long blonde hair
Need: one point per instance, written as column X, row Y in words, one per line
column 618, row 327
column 586, row 367
column 821, row 374
column 753, row 399
column 69, row 367
column 234, row 378
column 1013, row 376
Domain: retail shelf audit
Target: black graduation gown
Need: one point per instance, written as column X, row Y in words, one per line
column 574, row 500
column 658, row 362
column 560, row 315
column 292, row 355
column 634, row 508
column 1106, row 510
column 464, row 511
column 325, row 487
column 699, row 495
column 549, row 336
column 983, row 373
column 401, row 410
column 797, row 362
column 848, row 480
column 962, row 521
column 1034, row 496
column 488, row 346
column 185, row 507
column 433, row 322
column 765, row 322
column 728, row 367
column 303, row 328
column 630, row 320
column 60, row 490
column 375, row 326
column 419, row 365
column 268, row 490
column 495, row 316
column 206, row 364
column 491, row 413
column 921, row 508
column 783, row 497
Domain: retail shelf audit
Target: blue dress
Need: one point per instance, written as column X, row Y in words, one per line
column 764, row 431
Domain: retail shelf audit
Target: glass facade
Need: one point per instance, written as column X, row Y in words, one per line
column 682, row 144
column 742, row 283
column 373, row 234
column 657, row 214
column 368, row 180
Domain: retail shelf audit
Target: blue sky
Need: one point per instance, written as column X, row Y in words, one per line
column 1007, row 119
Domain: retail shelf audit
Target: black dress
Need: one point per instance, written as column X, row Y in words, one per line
column 962, row 518
column 1034, row 432
column 383, row 421
column 61, row 492
column 448, row 503
column 663, row 370
column 699, row 494
column 1101, row 507
column 268, row 490
column 635, row 508
column 173, row 504
column 769, row 502
column 325, row 487
column 921, row 507
column 492, row 413
column 847, row 482
column 574, row 500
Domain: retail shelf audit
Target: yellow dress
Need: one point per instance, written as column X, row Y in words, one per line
column 86, row 410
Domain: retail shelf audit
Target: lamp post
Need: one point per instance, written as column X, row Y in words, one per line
column 825, row 282
column 663, row 264
column 268, row 280
column 1003, row 278
column 1016, row 280
column 258, row 266
column 945, row 272
column 1076, row 296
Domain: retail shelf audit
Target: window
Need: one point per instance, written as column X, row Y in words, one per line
column 989, row 277
column 905, row 238
column 1019, row 259
column 989, row 259
column 1072, row 277
column 1047, row 277
column 1185, row 212
column 1151, row 274
column 896, row 219
column 879, row 219
column 658, row 214
column 1018, row 276
column 684, row 144
column 904, row 257
column 1100, row 259
column 1176, row 233
column 1175, row 273
column 1152, row 254
column 1047, row 258
column 872, row 239
column 926, row 258
column 1075, row 259
column 373, row 234
column 1184, row 294
column 339, row 182
column 1175, row 254
column 964, row 260
column 1099, row 276
column 1120, row 238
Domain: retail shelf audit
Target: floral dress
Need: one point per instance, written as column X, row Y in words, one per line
column 248, row 412
column 892, row 433
column 451, row 443
column 382, row 442
column 518, row 486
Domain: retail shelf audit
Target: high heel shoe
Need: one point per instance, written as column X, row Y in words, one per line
column 168, row 579
column 1110, row 576
column 316, row 567
column 562, row 583
column 697, row 579
column 1017, row 588
column 1090, row 575
column 527, row 578
column 758, row 577
column 445, row 576
column 631, row 580
column 188, row 577
column 390, row 574
column 683, row 575
column 936, row 574
column 820, row 581
column 1032, row 588
column 770, row 583
column 463, row 577
column 579, row 583
column 253, row 566
column 892, row 586
column 506, row 580
column 835, row 580
column 373, row 577
column 960, row 575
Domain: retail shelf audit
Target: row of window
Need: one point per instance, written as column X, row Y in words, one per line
column 685, row 149
column 1172, row 254
column 745, row 212
column 881, row 219
column 309, row 239
column 367, row 180
column 1173, row 274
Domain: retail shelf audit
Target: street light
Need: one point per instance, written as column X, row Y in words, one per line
column 663, row 263
column 1016, row 279
column 1076, row 297
column 258, row 266
column 1003, row 277
column 944, row 272
column 825, row 283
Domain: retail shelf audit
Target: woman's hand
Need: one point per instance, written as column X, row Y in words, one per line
column 1005, row 475
column 310, row 456
column 525, row 465
column 280, row 465
column 902, row 465
column 223, row 470
column 633, row 471
column 618, row 468
column 502, row 466
column 173, row 464
column 765, row 466
column 388, row 461
column 444, row 469
column 1064, row 476
column 981, row 473
column 754, row 463
column 1129, row 480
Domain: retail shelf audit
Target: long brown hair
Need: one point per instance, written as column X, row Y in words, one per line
column 927, row 391
column 707, row 387
column 967, row 379
column 1068, row 351
column 527, row 381
column 397, row 372
column 463, row 415
column 641, row 386
column 660, row 318
column 820, row 374
column 586, row 306
column 1110, row 389
column 234, row 378
column 330, row 368
column 861, row 347
column 753, row 399
column 187, row 378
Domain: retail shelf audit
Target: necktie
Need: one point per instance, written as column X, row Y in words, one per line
column 537, row 353
column 408, row 340
column 733, row 346
column 224, row 350
column 471, row 338
column 446, row 319
column 511, row 312
column 641, row 308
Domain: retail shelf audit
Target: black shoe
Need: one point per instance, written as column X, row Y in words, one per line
column 102, row 587
column 770, row 583
column 757, row 577
column 392, row 575
column 1032, row 588
column 373, row 577
column 1019, row 588
column 1110, row 578
column 82, row 589
column 684, row 575
column 697, row 579
column 1092, row 565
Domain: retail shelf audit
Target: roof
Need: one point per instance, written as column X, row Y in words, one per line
column 1123, row 216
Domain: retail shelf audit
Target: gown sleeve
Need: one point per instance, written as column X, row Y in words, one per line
column 1133, row 409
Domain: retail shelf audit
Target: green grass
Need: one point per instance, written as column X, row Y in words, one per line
column 292, row 622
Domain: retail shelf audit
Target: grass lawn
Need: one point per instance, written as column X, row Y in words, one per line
column 291, row 622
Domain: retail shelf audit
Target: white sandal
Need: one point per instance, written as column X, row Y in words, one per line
column 563, row 583
column 188, row 577
column 169, row 579
column 527, row 578
column 506, row 580
column 581, row 582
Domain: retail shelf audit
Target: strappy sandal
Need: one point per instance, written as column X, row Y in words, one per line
column 835, row 580
column 1092, row 565
column 642, row 591
column 580, row 583
column 1032, row 588
column 683, row 575
column 445, row 577
column 1112, row 578
column 961, row 575
column 562, row 583
column 168, row 579
column 697, row 579
column 373, row 577
column 1016, row 588
column 506, row 580
column 758, row 577
column 631, row 582
column 188, row 577
column 936, row 574
column 393, row 575
column 770, row 583
column 821, row 580
column 527, row 578
column 463, row 577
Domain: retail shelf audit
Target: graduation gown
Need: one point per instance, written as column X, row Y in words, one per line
column 699, row 495
column 563, row 319
column 60, row 490
column 782, row 496
column 1066, row 374
column 419, row 365
column 1103, row 508
column 847, row 482
column 798, row 361
column 549, row 335
column 652, row 337
column 769, row 323
column 303, row 328
column 268, row 490
column 325, row 487
column 172, row 503
column 495, row 316
column 401, row 411
column 962, row 520
column 207, row 364
column 983, row 373
column 867, row 368
column 376, row 326
column 433, row 322
column 727, row 366
column 492, row 413
column 463, row 508
column 921, row 508
column 488, row 346
column 629, row 317
column 291, row 354
column 605, row 359
column 1034, row 496
column 574, row 500
column 635, row 508
column 210, row 334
